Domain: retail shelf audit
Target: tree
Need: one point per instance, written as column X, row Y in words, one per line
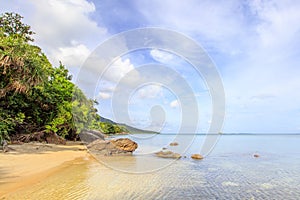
column 37, row 99
column 11, row 25
column 22, row 66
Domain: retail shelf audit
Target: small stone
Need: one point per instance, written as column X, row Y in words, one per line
column 173, row 144
column 168, row 154
column 197, row 156
column 256, row 156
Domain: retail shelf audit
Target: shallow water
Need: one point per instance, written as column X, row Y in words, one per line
column 229, row 172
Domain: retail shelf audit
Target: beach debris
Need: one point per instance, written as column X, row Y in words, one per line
column 168, row 154
column 173, row 144
column 121, row 146
column 197, row 156
column 88, row 136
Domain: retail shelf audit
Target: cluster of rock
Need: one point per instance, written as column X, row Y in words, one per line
column 42, row 136
column 165, row 153
column 97, row 144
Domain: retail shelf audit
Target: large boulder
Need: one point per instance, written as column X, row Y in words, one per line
column 88, row 136
column 121, row 146
column 124, row 144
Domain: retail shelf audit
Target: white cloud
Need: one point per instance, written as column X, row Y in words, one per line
column 104, row 95
column 215, row 23
column 279, row 21
column 161, row 56
column 150, row 91
column 118, row 70
column 57, row 24
column 71, row 56
column 174, row 104
column 254, row 44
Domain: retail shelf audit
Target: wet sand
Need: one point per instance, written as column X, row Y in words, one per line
column 27, row 164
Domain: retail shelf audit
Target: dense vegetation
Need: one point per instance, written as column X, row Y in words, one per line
column 36, row 97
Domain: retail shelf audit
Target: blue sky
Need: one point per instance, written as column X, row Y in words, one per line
column 254, row 45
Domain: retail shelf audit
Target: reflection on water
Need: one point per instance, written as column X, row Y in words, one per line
column 230, row 172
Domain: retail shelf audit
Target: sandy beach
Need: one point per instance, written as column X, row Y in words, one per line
column 27, row 164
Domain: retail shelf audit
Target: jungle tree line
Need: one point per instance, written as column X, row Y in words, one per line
column 36, row 97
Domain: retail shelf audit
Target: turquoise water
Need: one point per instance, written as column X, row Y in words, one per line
column 229, row 172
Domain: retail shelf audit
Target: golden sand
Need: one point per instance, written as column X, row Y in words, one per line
column 20, row 170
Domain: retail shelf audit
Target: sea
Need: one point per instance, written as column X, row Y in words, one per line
column 238, row 166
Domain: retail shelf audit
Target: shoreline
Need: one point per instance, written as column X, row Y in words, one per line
column 23, row 167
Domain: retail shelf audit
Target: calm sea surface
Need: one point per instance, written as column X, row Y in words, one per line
column 230, row 171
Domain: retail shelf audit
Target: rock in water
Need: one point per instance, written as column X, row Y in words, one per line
column 89, row 136
column 168, row 154
column 197, row 156
column 124, row 144
column 119, row 146
column 173, row 144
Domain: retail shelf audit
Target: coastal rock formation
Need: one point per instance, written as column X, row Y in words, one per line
column 43, row 136
column 197, row 156
column 121, row 146
column 89, row 136
column 173, row 144
column 168, row 154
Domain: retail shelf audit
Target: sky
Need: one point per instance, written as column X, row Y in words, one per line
column 253, row 44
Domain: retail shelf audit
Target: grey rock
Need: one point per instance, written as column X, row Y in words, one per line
column 88, row 136
column 4, row 146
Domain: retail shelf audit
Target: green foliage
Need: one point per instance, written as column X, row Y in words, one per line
column 36, row 97
column 109, row 128
column 11, row 24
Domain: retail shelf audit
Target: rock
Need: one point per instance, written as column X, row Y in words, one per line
column 168, row 154
column 89, row 136
column 124, row 144
column 173, row 144
column 4, row 146
column 55, row 139
column 42, row 136
column 113, row 147
column 256, row 155
column 164, row 148
column 197, row 156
